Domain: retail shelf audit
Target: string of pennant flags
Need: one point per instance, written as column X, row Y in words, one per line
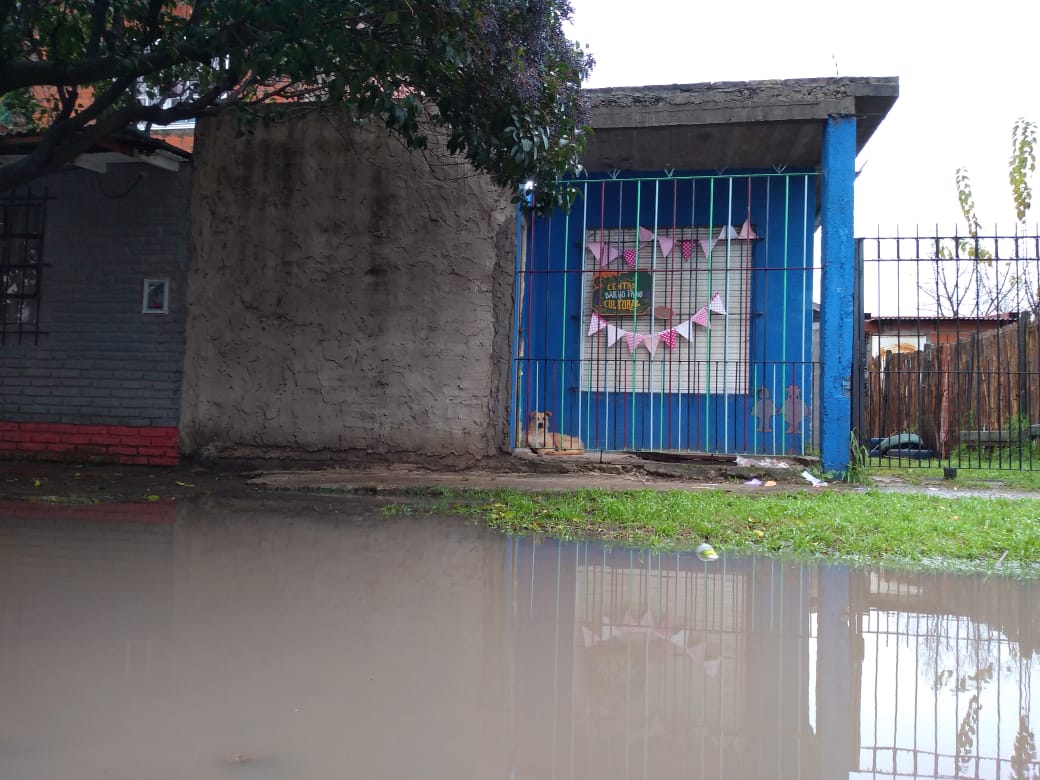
column 606, row 253
column 668, row 336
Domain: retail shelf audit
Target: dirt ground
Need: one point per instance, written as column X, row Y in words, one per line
column 100, row 483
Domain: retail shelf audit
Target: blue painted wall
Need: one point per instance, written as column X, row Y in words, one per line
column 552, row 325
column 838, row 282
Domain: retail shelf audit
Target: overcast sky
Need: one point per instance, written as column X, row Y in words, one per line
column 966, row 72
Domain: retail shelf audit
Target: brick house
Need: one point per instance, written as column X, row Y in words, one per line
column 93, row 263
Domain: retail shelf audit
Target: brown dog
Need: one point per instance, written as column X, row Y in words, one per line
column 543, row 441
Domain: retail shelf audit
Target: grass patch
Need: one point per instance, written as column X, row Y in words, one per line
column 869, row 527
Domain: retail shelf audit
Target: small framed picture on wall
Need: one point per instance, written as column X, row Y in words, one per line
column 155, row 298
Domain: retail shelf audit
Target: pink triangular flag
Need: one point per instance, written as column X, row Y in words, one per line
column 716, row 305
column 683, row 330
column 646, row 235
column 666, row 245
column 597, row 324
column 630, row 257
column 727, row 231
column 746, row 231
column 613, row 334
column 707, row 244
column 668, row 337
column 686, row 247
column 602, row 251
column 701, row 317
column 651, row 342
column 634, row 340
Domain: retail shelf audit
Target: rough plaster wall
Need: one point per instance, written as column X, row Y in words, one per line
column 346, row 298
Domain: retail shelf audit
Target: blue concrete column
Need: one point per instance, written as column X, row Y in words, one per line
column 838, row 255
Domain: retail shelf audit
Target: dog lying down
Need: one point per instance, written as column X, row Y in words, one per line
column 544, row 442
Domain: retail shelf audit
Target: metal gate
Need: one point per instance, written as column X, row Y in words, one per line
column 949, row 351
column 670, row 313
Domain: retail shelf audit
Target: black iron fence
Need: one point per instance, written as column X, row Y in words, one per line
column 949, row 351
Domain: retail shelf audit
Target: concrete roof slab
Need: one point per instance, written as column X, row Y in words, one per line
column 752, row 124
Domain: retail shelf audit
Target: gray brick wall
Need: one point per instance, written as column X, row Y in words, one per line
column 99, row 360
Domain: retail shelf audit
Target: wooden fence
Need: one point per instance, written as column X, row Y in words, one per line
column 982, row 391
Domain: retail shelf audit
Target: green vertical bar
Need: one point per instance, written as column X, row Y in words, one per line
column 806, row 304
column 586, row 359
column 707, row 359
column 632, row 389
column 563, row 325
column 653, row 324
column 783, row 343
column 725, row 341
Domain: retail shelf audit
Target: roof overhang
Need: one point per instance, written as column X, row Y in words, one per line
column 729, row 125
column 128, row 146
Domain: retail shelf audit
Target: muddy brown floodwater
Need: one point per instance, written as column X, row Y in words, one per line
column 321, row 637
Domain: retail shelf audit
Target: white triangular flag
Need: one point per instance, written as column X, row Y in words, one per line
column 613, row 334
column 683, row 330
column 746, row 231
column 651, row 341
column 726, row 232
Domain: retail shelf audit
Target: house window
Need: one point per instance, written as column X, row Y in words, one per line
column 21, row 250
column 666, row 311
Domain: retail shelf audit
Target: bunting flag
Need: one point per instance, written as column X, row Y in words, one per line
column 602, row 251
column 725, row 232
column 716, row 305
column 650, row 342
column 746, row 231
column 669, row 335
column 666, row 243
column 630, row 257
column 686, row 247
column 707, row 244
column 597, row 324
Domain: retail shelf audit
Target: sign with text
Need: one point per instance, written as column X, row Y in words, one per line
column 622, row 292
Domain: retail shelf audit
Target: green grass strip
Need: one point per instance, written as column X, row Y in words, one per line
column 870, row 527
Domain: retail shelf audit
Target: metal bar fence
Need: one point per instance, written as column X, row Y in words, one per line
column 672, row 313
column 950, row 350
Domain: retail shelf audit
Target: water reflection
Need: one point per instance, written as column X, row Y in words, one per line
column 288, row 640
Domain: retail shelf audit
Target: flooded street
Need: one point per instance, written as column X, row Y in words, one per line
column 302, row 637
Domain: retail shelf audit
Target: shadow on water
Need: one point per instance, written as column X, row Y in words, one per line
column 295, row 639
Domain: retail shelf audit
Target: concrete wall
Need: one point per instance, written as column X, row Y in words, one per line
column 348, row 298
column 102, row 376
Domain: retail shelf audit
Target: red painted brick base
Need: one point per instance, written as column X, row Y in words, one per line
column 156, row 446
